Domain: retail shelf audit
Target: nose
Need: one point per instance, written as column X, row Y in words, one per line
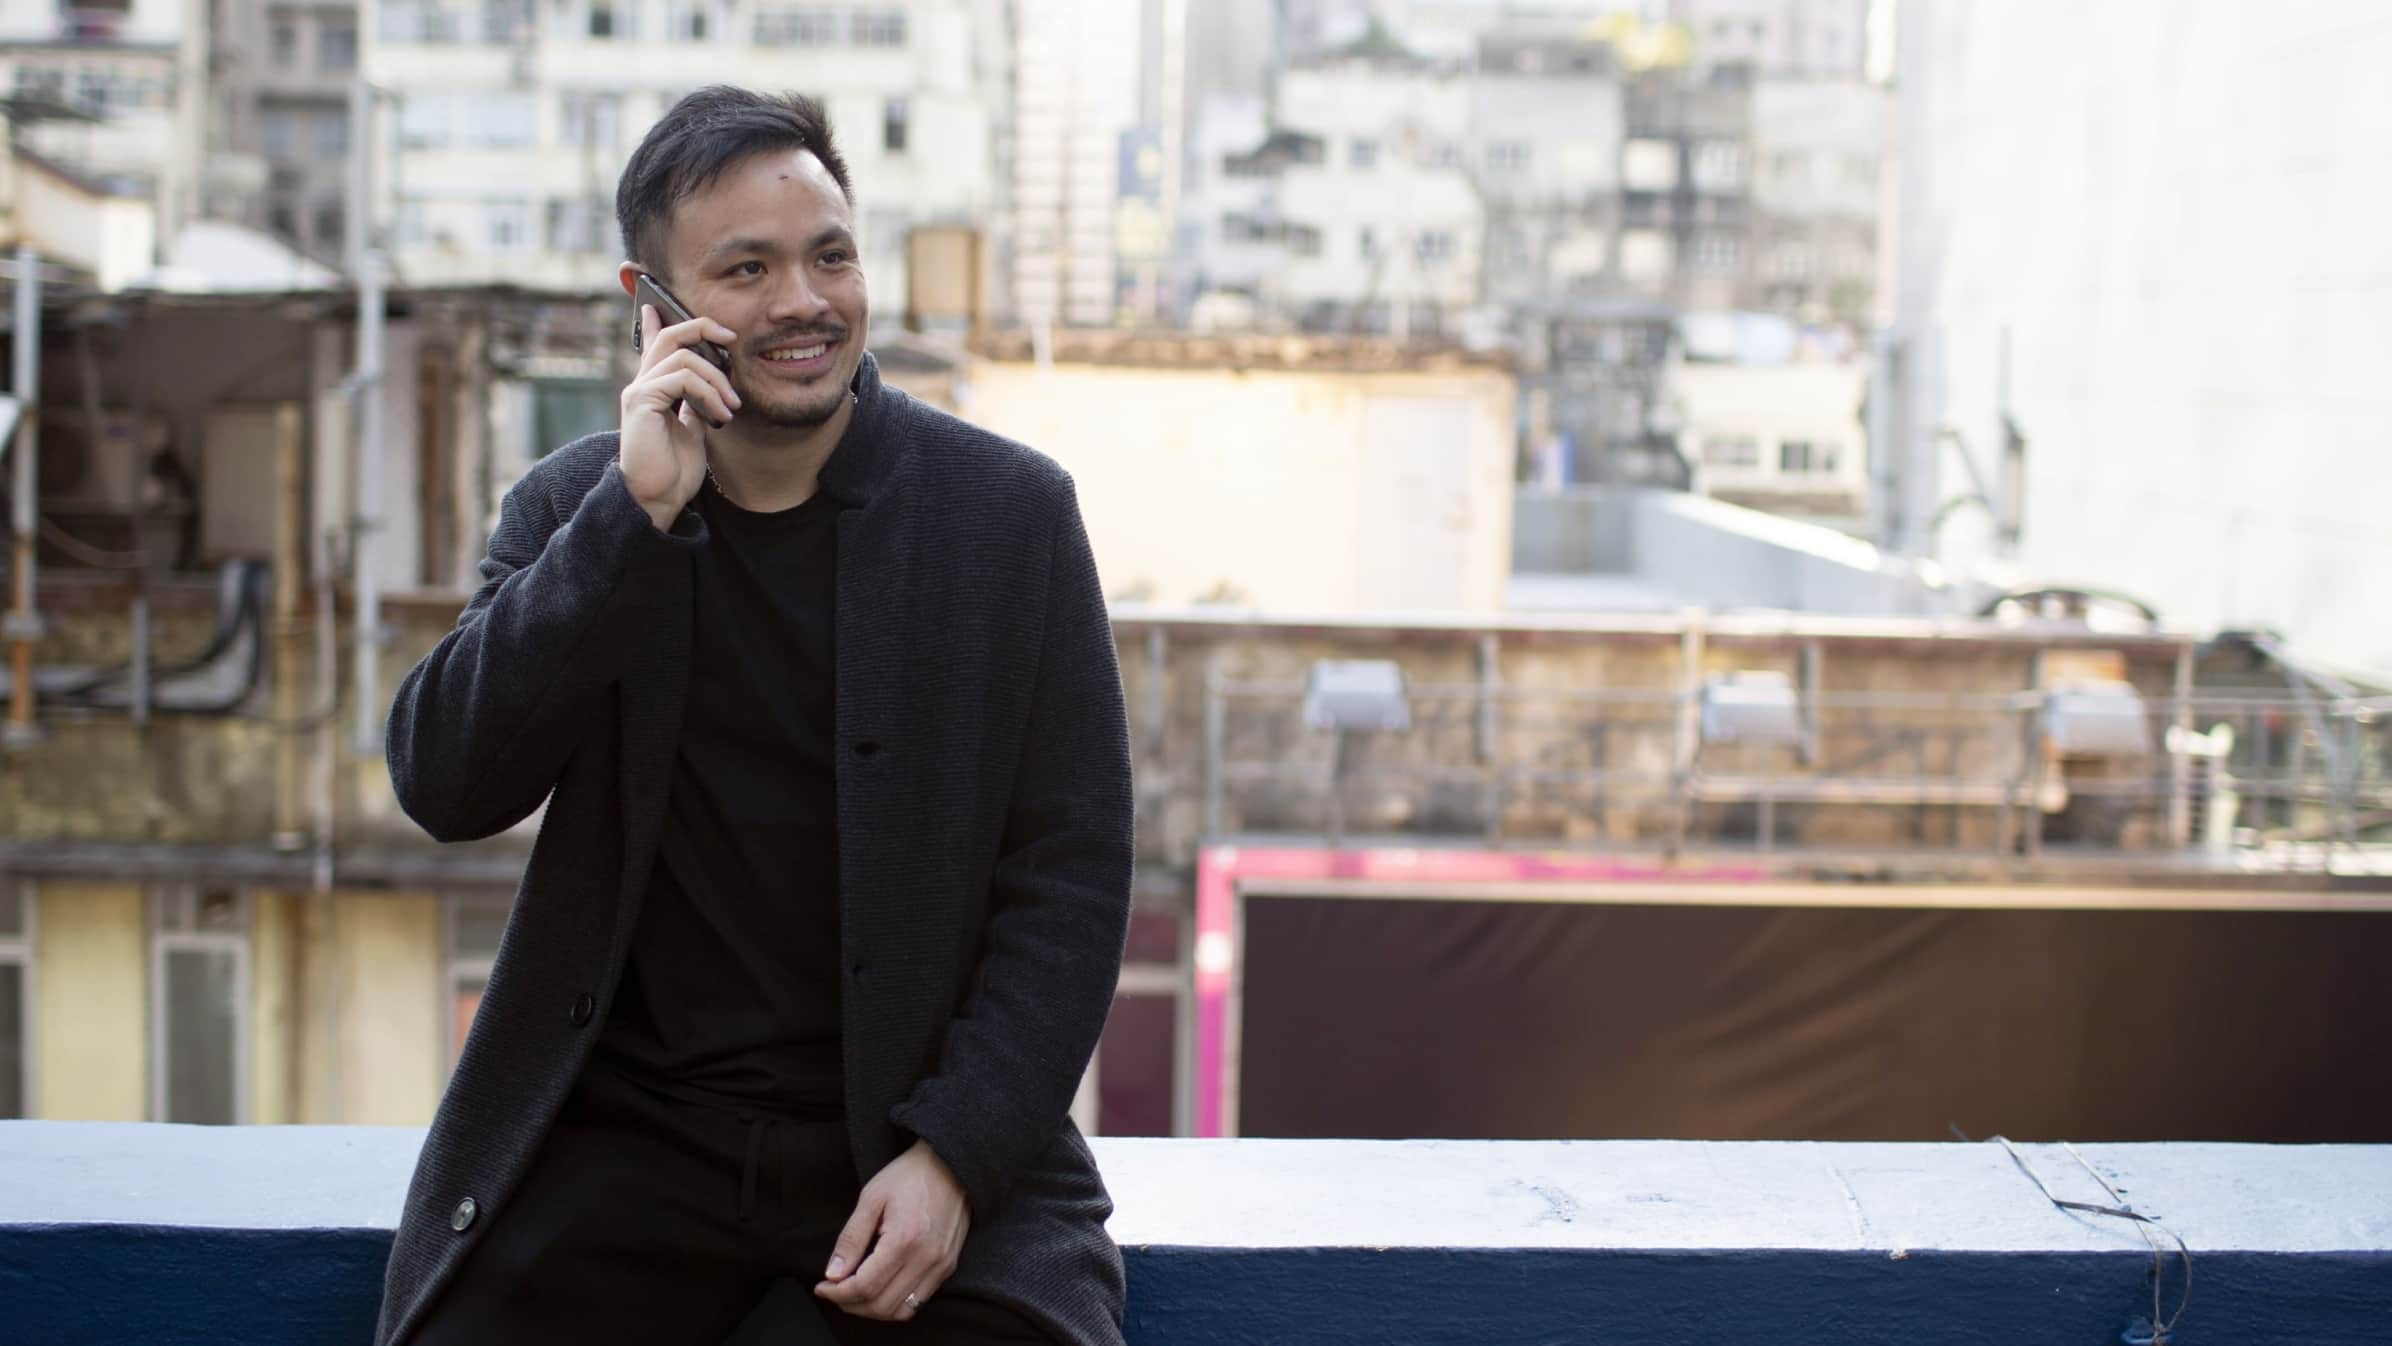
column 796, row 300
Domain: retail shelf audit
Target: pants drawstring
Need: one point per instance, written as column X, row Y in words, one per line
column 758, row 1124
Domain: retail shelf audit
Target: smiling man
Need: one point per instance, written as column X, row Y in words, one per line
column 827, row 906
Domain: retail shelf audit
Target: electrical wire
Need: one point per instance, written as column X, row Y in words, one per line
column 2163, row 1328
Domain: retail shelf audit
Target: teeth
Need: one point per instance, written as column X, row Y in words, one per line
column 801, row 353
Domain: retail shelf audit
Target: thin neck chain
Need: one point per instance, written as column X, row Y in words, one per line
column 718, row 481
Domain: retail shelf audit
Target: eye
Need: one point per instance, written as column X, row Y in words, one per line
column 836, row 257
column 750, row 268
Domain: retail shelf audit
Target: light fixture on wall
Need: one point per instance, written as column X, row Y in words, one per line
column 1347, row 697
column 1752, row 706
column 2097, row 718
column 1356, row 694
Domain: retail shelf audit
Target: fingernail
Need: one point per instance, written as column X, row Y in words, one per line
column 837, row 1268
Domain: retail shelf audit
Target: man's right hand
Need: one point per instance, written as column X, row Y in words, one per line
column 663, row 453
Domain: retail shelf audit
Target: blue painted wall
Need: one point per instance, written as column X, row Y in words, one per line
column 114, row 1285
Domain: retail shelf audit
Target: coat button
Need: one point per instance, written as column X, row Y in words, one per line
column 855, row 971
column 867, row 748
column 463, row 1215
column 583, row 1008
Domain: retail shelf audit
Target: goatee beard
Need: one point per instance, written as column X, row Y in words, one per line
column 801, row 418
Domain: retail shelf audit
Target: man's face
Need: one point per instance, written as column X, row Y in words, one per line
column 769, row 251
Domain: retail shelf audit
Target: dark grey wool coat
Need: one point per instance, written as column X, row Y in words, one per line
column 984, row 830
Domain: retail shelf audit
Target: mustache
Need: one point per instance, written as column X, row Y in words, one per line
column 799, row 336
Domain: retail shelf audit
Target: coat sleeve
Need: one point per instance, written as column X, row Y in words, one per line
column 1059, row 905
column 483, row 725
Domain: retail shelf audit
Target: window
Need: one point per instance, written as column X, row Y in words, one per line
column 796, row 28
column 590, row 119
column 1718, row 252
column 1719, row 166
column 1802, row 455
column 16, row 999
column 468, row 120
column 422, row 21
column 506, row 21
column 336, row 47
column 411, row 224
column 603, row 19
column 283, row 220
column 283, row 43
column 895, row 124
column 330, row 219
column 579, row 226
column 499, row 120
column 1789, row 261
column 1363, row 154
column 277, row 133
column 1507, row 157
column 879, row 28
column 332, row 134
column 1435, row 246
column 1732, row 451
column 689, row 21
column 509, row 224
column 474, row 925
column 1367, row 245
column 1303, row 240
column 564, row 410
column 199, row 1005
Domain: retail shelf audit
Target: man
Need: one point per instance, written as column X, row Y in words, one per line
column 828, row 904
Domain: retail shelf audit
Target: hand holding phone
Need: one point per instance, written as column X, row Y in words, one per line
column 649, row 290
column 680, row 388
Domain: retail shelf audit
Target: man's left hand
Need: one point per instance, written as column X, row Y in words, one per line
column 912, row 1218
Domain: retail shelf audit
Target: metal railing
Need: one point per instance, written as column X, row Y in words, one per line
column 2237, row 778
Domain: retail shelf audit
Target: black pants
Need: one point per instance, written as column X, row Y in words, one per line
column 652, row 1220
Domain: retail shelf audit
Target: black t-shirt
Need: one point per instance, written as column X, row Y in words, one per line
column 731, row 989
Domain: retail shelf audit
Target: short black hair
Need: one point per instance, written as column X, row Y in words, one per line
column 700, row 137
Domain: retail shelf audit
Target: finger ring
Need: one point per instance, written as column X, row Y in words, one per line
column 913, row 1304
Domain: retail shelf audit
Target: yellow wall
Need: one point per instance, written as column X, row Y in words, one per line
column 91, row 978
column 389, row 1050
column 273, row 954
column 1290, row 491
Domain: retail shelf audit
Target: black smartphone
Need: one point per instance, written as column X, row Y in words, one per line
column 670, row 311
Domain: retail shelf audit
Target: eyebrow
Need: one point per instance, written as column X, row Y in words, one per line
column 732, row 247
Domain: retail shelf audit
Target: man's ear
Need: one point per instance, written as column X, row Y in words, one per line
column 629, row 275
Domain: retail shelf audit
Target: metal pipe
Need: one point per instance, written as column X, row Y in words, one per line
column 24, row 622
column 2180, row 763
column 142, row 640
column 1489, row 733
column 1814, row 659
column 326, row 725
column 1216, row 742
column 1689, row 736
column 365, row 266
column 290, row 634
column 2039, row 754
column 363, row 554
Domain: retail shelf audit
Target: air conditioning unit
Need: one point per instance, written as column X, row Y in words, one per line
column 103, row 470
